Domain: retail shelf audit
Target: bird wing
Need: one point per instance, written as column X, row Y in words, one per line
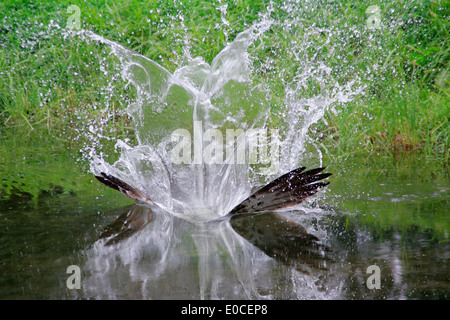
column 286, row 191
column 123, row 187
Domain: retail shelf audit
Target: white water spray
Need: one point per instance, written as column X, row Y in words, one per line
column 230, row 93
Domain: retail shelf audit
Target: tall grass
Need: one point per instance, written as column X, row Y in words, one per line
column 47, row 77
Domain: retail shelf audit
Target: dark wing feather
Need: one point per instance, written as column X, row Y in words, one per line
column 286, row 191
column 123, row 187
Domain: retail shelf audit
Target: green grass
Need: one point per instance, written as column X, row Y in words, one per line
column 54, row 81
column 413, row 120
column 404, row 65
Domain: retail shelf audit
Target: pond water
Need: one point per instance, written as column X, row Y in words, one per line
column 396, row 221
column 378, row 231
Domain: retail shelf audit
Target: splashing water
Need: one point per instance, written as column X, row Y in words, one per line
column 214, row 107
column 195, row 98
column 219, row 109
column 273, row 81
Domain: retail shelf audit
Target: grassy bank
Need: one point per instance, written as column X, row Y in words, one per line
column 47, row 79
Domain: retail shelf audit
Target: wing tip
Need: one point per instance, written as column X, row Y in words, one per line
column 126, row 189
column 287, row 190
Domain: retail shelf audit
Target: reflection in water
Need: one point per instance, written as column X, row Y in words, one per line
column 150, row 254
column 282, row 239
column 172, row 258
column 278, row 237
column 136, row 218
column 216, row 244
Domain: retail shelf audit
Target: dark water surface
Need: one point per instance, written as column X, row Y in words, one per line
column 396, row 220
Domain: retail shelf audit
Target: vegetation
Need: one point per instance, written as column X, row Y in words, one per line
column 49, row 82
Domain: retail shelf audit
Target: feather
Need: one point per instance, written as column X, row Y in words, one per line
column 123, row 187
column 286, row 191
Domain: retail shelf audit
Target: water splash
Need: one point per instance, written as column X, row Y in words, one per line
column 198, row 97
column 230, row 93
column 215, row 96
